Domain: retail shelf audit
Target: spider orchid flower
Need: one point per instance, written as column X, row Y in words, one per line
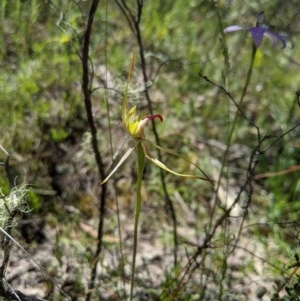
column 259, row 31
column 134, row 126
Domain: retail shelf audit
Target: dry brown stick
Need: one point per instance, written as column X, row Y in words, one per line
column 87, row 92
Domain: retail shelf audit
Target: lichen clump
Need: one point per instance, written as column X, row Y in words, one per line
column 10, row 206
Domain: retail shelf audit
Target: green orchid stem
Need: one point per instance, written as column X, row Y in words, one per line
column 239, row 103
column 140, row 169
column 249, row 73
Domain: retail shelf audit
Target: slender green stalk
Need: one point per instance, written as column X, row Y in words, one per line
column 231, row 131
column 249, row 74
column 140, row 169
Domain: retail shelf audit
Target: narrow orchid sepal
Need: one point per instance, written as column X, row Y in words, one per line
column 275, row 38
column 175, row 154
column 124, row 104
column 164, row 167
column 234, row 28
column 122, row 160
column 258, row 31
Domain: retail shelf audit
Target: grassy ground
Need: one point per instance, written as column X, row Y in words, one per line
column 237, row 240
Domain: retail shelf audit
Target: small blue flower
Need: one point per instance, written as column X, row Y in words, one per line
column 259, row 31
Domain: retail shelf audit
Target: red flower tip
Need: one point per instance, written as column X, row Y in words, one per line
column 150, row 117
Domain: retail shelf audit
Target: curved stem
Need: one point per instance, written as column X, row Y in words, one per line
column 249, row 73
column 140, row 169
column 231, row 131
